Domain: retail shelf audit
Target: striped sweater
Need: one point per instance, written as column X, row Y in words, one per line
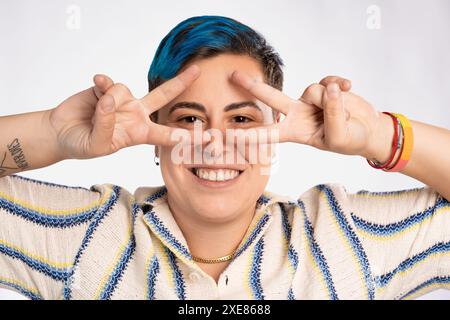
column 65, row 242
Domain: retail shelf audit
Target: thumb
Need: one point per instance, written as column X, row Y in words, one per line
column 102, row 84
column 334, row 116
column 104, row 123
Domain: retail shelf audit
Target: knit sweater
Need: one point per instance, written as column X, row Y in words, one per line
column 67, row 242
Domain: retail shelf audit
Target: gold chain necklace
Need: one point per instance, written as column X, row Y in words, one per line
column 214, row 260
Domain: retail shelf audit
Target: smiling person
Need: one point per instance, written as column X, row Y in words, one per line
column 213, row 231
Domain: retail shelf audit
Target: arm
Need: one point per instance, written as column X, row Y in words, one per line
column 430, row 156
column 26, row 143
column 34, row 140
column 42, row 226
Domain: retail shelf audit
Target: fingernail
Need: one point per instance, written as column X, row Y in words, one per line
column 333, row 90
column 194, row 69
column 108, row 107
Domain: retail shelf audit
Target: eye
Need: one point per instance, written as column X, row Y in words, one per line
column 189, row 119
column 242, row 119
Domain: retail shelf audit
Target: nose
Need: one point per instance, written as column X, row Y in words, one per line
column 217, row 147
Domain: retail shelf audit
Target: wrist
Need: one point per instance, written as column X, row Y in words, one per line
column 380, row 145
column 50, row 138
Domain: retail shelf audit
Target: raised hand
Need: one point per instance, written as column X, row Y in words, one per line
column 107, row 117
column 324, row 117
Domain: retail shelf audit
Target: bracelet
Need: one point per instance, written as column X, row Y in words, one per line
column 398, row 152
column 395, row 145
column 408, row 143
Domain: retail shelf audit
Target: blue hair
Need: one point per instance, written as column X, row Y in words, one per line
column 207, row 36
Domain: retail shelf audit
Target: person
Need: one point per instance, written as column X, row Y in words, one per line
column 213, row 231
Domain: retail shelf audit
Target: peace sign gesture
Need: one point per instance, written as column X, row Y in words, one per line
column 107, row 117
column 324, row 117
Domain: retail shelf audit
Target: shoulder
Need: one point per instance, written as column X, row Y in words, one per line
column 53, row 198
column 313, row 195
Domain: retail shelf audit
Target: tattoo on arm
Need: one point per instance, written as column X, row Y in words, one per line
column 17, row 155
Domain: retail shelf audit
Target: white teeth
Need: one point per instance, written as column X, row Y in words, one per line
column 216, row 175
column 220, row 175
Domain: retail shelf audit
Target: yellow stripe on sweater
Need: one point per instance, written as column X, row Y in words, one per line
column 55, row 264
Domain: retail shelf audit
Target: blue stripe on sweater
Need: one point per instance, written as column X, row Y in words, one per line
column 58, row 274
column 261, row 223
column 392, row 228
column 46, row 220
column 101, row 214
column 255, row 270
column 319, row 258
column 117, row 273
column 166, row 234
column 156, row 195
column 152, row 276
column 29, row 294
column 352, row 239
column 180, row 286
column 291, row 295
column 443, row 280
column 292, row 253
column 441, row 247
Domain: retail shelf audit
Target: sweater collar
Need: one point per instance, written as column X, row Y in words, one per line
column 159, row 219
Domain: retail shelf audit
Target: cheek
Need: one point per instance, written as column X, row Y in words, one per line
column 257, row 154
column 171, row 171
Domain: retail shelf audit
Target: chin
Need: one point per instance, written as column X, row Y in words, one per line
column 215, row 206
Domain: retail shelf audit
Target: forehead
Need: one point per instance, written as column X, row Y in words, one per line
column 213, row 87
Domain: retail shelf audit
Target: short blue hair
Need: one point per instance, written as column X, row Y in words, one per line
column 208, row 36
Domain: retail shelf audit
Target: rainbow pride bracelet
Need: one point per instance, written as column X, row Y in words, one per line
column 407, row 145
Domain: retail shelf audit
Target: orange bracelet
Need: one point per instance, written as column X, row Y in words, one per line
column 407, row 145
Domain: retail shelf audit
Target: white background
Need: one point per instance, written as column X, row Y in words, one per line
column 403, row 66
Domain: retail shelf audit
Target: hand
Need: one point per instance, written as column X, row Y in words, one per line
column 84, row 128
column 324, row 117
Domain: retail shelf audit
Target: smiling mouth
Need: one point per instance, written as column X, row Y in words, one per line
column 218, row 175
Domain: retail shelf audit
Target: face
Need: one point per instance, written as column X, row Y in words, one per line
column 230, row 181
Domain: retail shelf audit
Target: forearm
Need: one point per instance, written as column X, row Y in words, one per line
column 430, row 157
column 26, row 143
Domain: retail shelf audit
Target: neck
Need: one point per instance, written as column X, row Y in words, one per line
column 212, row 239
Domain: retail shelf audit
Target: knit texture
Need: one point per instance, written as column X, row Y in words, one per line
column 66, row 242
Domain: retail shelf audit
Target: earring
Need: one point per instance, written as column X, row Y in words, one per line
column 156, row 161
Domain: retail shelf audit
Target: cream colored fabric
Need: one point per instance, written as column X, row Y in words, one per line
column 64, row 242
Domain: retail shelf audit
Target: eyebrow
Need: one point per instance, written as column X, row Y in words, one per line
column 201, row 108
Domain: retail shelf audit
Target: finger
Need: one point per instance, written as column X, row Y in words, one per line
column 169, row 90
column 314, row 95
column 344, row 84
column 267, row 94
column 334, row 116
column 273, row 133
column 121, row 93
column 102, row 84
column 168, row 136
column 104, row 123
